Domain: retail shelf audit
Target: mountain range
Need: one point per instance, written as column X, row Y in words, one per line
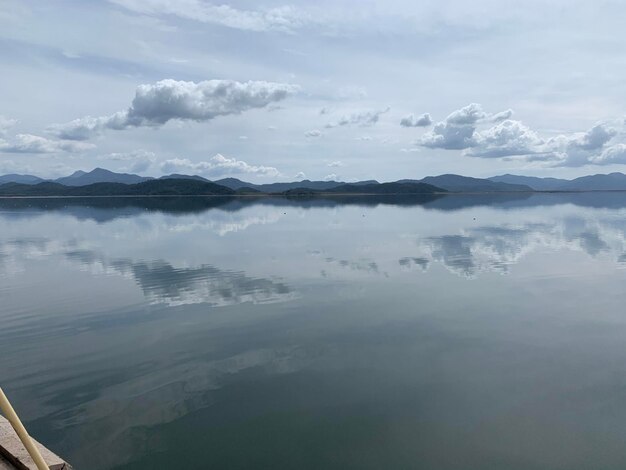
column 104, row 182
column 600, row 182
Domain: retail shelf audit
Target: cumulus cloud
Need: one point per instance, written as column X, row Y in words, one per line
column 313, row 133
column 300, row 175
column 28, row 143
column 284, row 19
column 616, row 154
column 363, row 119
column 336, row 164
column 217, row 166
column 5, row 124
column 155, row 104
column 420, row 121
column 456, row 132
column 331, row 177
column 509, row 138
column 448, row 136
column 468, row 115
column 582, row 148
column 512, row 139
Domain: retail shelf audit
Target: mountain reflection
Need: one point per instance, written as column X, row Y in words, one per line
column 104, row 210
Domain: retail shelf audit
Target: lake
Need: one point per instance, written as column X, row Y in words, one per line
column 444, row 332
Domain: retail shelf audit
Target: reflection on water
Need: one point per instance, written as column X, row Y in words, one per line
column 161, row 282
column 392, row 332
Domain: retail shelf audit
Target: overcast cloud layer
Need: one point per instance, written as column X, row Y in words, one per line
column 286, row 90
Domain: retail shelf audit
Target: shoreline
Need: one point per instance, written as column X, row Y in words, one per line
column 311, row 195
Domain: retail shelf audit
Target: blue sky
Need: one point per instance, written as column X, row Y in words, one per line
column 275, row 90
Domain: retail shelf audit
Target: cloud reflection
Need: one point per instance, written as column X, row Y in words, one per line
column 496, row 248
column 163, row 283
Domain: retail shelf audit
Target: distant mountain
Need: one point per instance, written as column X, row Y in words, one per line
column 234, row 183
column 610, row 182
column 165, row 187
column 539, row 184
column 188, row 184
column 22, row 179
column 377, row 188
column 176, row 176
column 99, row 175
column 458, row 183
column 389, row 188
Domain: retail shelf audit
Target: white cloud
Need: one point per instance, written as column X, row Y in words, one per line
column 469, row 115
column 582, row 148
column 448, row 136
column 456, row 132
column 363, row 119
column 616, row 154
column 5, row 124
column 300, row 175
column 155, row 104
column 139, row 160
column 331, row 177
column 217, row 166
column 28, row 143
column 336, row 164
column 508, row 138
column 420, row 121
column 501, row 116
column 313, row 133
column 284, row 19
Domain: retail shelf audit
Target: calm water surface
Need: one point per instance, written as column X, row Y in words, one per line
column 446, row 333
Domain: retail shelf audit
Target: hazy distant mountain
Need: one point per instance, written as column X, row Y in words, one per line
column 99, row 175
column 176, row 176
column 234, row 183
column 458, row 183
column 389, row 188
column 22, row 179
column 539, row 184
column 610, row 182
column 448, row 182
column 377, row 188
column 160, row 187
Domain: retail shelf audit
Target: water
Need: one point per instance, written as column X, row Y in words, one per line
column 428, row 333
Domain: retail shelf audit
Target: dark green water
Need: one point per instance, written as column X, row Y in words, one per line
column 447, row 333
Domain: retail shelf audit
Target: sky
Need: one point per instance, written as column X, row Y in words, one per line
column 283, row 90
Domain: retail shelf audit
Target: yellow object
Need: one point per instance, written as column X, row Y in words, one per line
column 20, row 430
